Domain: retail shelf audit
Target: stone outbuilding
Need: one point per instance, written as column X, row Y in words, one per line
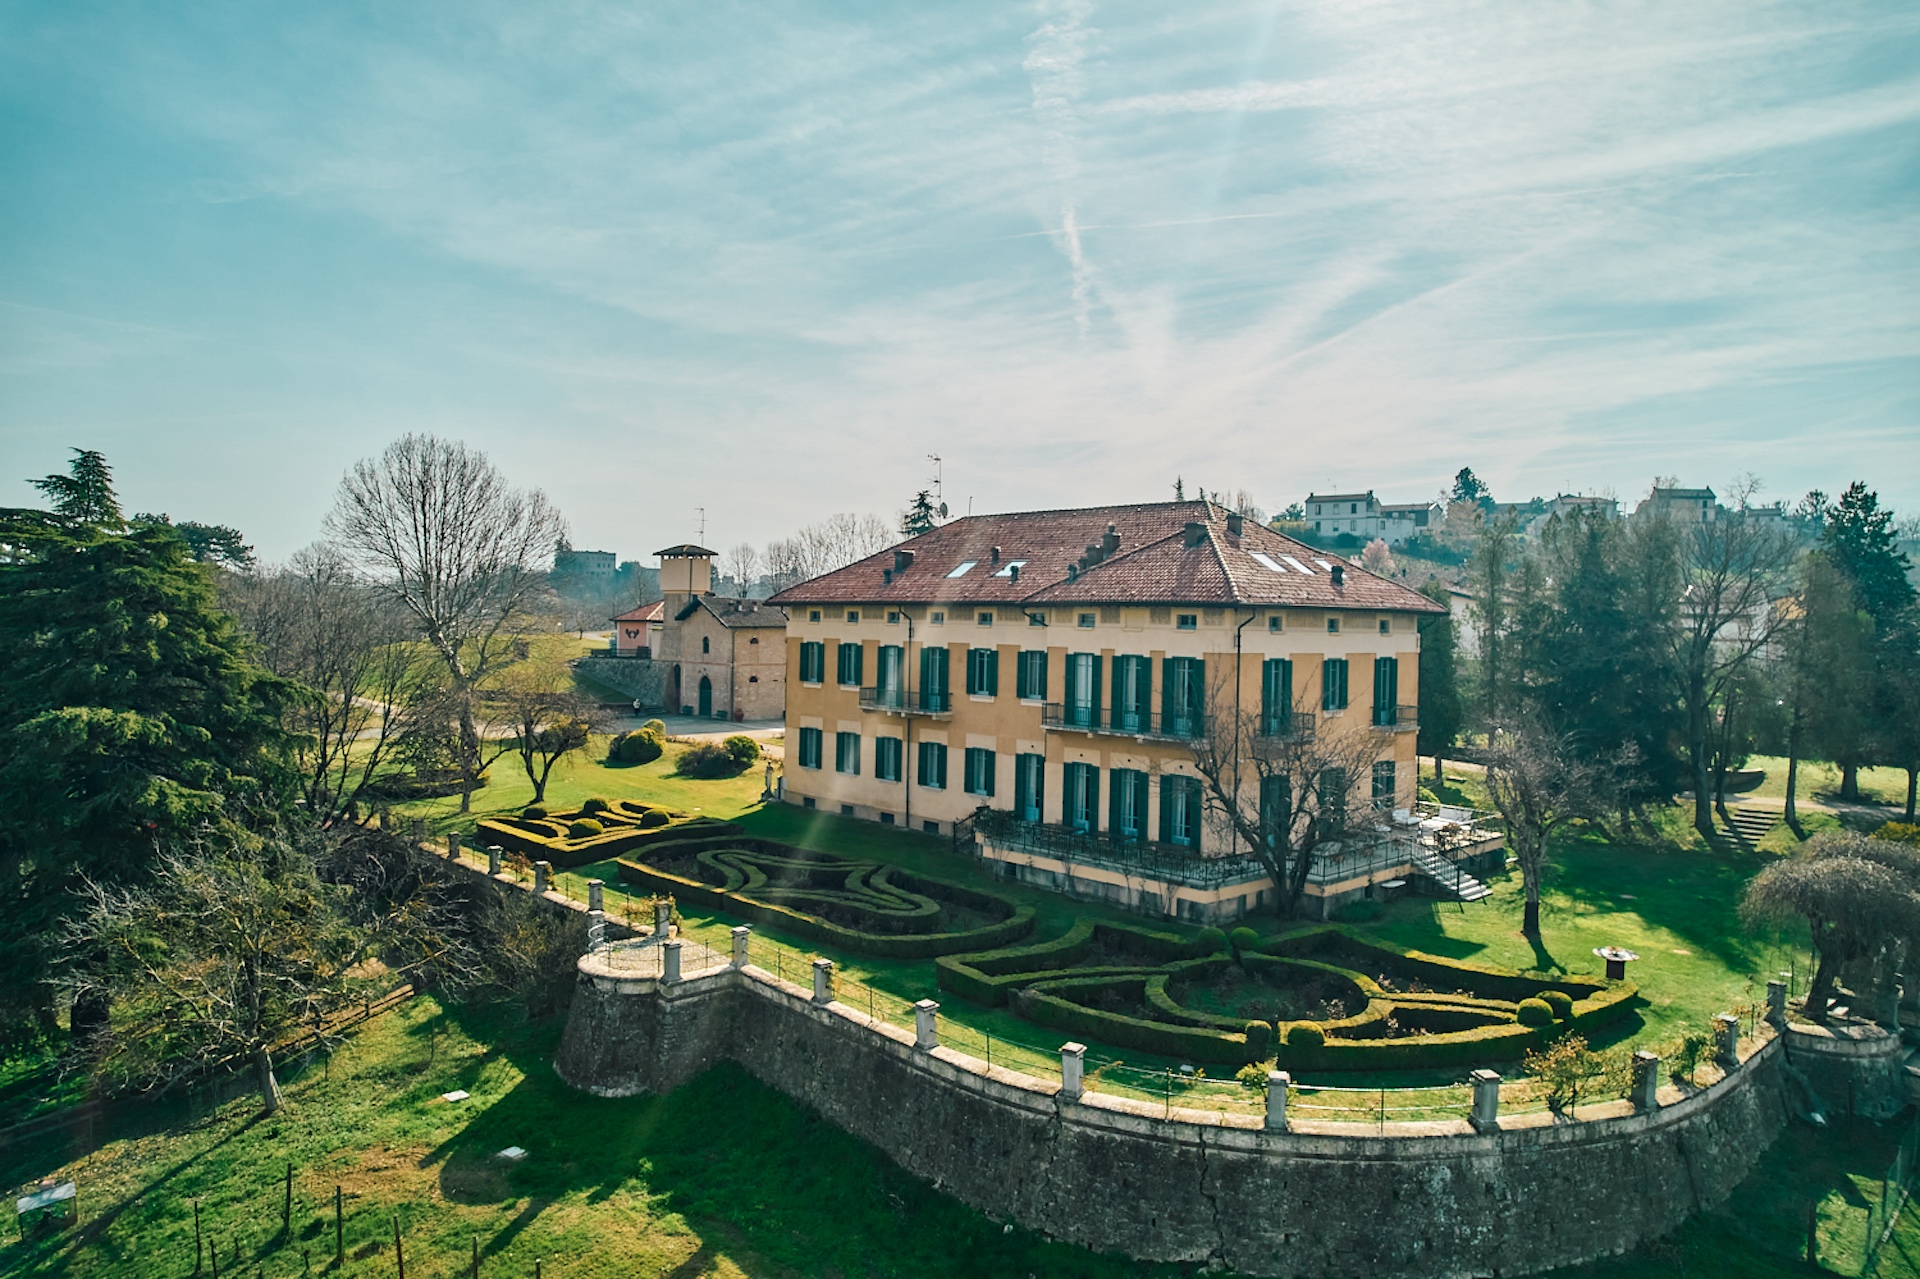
column 725, row 658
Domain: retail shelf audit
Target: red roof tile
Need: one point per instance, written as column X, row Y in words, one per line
column 643, row 613
column 1152, row 563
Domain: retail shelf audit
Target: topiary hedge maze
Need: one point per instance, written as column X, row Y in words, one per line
column 568, row 838
column 1323, row 999
column 863, row 906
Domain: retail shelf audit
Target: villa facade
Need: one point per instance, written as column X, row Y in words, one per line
column 1056, row 669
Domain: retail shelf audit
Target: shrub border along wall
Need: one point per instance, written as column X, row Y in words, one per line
column 1016, row 925
column 619, row 838
column 1038, row 995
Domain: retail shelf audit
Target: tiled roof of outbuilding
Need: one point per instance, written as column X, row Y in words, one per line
column 643, row 613
column 737, row 614
column 1068, row 557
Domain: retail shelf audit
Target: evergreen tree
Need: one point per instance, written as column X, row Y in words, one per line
column 921, row 517
column 85, row 493
column 130, row 715
column 1468, row 488
column 1858, row 538
column 1442, row 711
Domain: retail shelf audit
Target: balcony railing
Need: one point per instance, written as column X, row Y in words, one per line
column 1168, row 863
column 901, row 702
column 1117, row 722
column 1399, row 719
column 1299, row 726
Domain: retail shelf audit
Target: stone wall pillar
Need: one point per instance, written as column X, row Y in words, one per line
column 1726, row 1034
column 670, row 961
column 1278, row 1082
column 1486, row 1100
column 662, row 918
column 823, row 981
column 596, row 929
column 595, row 888
column 453, row 845
column 493, row 859
column 1073, row 1070
column 1646, row 1080
column 542, row 876
column 1777, row 1004
column 926, row 1025
column 741, row 934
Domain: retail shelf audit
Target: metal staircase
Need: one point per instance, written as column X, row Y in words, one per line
column 1451, row 879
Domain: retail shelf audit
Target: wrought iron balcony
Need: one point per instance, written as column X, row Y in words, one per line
column 900, row 701
column 1397, row 719
column 1297, row 726
column 1115, row 722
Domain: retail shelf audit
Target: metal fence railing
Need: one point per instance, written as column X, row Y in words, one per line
column 1895, row 1186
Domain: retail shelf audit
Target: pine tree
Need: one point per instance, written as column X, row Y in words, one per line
column 921, row 517
column 85, row 492
column 1858, row 537
column 1442, row 712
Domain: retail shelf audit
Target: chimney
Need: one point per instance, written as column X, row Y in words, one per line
column 902, row 561
column 1092, row 554
column 1073, row 572
column 1196, row 533
column 1339, row 574
column 1013, row 573
column 994, row 556
column 886, row 577
column 1111, row 542
column 1234, row 523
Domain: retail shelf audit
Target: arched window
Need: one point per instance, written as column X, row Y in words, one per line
column 706, row 645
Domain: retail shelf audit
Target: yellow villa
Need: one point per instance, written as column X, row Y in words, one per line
column 1080, row 695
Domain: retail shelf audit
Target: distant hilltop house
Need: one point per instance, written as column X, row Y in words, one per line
column 585, row 563
column 1688, row 506
column 724, row 658
column 1364, row 517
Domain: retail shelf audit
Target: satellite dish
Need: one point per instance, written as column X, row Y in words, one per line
column 943, row 510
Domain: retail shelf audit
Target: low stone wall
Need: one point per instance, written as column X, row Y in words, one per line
column 1321, row 1199
column 1859, row 1068
column 637, row 677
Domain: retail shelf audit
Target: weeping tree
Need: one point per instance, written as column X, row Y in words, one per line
column 1857, row 894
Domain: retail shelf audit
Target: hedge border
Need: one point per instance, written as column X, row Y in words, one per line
column 987, row 976
column 621, row 838
column 1017, row 924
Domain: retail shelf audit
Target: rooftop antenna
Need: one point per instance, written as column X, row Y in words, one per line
column 939, row 505
column 702, row 538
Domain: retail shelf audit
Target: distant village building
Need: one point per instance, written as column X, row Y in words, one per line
column 1365, row 517
column 1685, row 506
column 724, row 658
column 1568, row 503
column 589, row 564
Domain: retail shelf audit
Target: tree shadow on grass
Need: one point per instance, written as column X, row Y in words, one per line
column 1693, row 895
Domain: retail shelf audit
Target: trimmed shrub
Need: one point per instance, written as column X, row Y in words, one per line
column 595, row 805
column 1243, row 939
column 743, row 749
column 1209, row 941
column 708, row 759
column 658, row 727
column 1305, row 1035
column 653, row 819
column 642, row 747
column 1259, row 1040
column 1560, row 1002
column 585, row 828
column 533, row 812
column 1534, row 1012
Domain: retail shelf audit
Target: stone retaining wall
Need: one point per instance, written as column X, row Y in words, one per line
column 638, row 677
column 1324, row 1199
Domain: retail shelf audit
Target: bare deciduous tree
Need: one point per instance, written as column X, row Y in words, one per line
column 228, row 951
column 1538, row 782
column 835, row 542
column 1284, row 791
column 533, row 708
column 437, row 526
column 347, row 645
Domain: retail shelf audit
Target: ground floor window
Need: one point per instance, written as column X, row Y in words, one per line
column 1080, row 806
column 846, row 753
column 1383, row 784
column 810, row 744
column 933, row 765
column 1180, row 811
column 1129, row 803
column 980, row 765
column 886, row 758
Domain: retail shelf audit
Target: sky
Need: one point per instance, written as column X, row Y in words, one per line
column 766, row 259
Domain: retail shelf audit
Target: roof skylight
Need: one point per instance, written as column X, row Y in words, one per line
column 1268, row 562
column 1298, row 565
column 962, row 570
column 1009, row 568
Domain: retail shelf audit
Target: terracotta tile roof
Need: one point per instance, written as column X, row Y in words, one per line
column 1149, row 558
column 643, row 613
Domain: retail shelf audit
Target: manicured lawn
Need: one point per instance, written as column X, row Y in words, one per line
column 585, row 774
column 724, row 1178
column 1821, row 781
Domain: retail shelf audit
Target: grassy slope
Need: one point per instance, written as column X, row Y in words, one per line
column 724, row 1178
